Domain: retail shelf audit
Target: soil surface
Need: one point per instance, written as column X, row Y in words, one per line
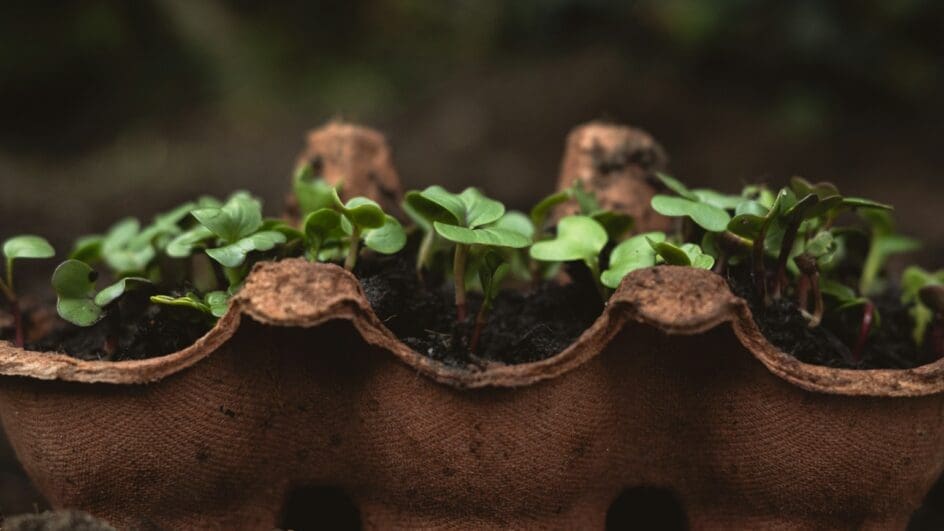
column 133, row 329
column 833, row 343
column 524, row 326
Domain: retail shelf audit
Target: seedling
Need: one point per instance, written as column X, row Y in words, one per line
column 235, row 229
column 17, row 247
column 616, row 224
column 884, row 244
column 578, row 238
column 312, row 192
column 922, row 290
column 213, row 304
column 847, row 300
column 705, row 208
column 635, row 253
column 820, row 248
column 491, row 272
column 347, row 225
column 465, row 220
column 127, row 248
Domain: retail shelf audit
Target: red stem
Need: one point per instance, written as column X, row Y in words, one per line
column 868, row 315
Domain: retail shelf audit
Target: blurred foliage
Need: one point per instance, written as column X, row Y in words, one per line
column 74, row 76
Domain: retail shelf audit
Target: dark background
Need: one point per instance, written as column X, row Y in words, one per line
column 111, row 108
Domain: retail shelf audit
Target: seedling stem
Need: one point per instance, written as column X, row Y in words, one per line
column 458, row 271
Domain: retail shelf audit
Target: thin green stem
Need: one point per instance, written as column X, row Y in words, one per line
column 426, row 247
column 594, row 266
column 7, row 292
column 352, row 250
column 234, row 275
column 458, row 272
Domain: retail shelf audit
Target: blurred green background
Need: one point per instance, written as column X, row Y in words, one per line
column 112, row 108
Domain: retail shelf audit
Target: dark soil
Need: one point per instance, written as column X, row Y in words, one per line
column 832, row 344
column 524, row 326
column 134, row 328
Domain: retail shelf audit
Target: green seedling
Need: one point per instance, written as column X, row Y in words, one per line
column 848, row 300
column 884, row 243
column 347, row 225
column 78, row 303
column 213, row 304
column 918, row 287
column 687, row 254
column 129, row 249
column 20, row 247
column 706, row 208
column 231, row 231
column 816, row 251
column 312, row 192
column 578, row 238
column 464, row 220
column 616, row 224
column 492, row 271
column 632, row 254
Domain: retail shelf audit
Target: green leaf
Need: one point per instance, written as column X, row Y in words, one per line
column 388, row 239
column 234, row 254
column 88, row 249
column 698, row 258
column 469, row 209
column 708, row 217
column 492, row 271
column 578, row 238
column 542, row 210
column 74, row 283
column 630, row 255
column 717, row 199
column 616, row 224
column 124, row 251
column 676, row 186
column 363, row 212
column 27, row 246
column 278, row 225
column 183, row 245
column 489, row 236
column 239, row 217
column 821, row 245
column 218, row 302
column 586, row 200
column 319, row 227
column 311, row 192
column 883, row 247
column 190, row 300
column 116, row 290
column 517, row 222
column 862, row 203
column 837, row 290
column 670, row 253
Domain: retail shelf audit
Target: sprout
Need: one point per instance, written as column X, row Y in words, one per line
column 347, row 225
column 635, row 253
column 465, row 220
column 74, row 283
column 236, row 228
column 616, row 224
column 578, row 238
column 28, row 247
column 884, row 244
column 127, row 248
column 311, row 192
column 492, row 270
column 702, row 207
column 213, row 304
column 921, row 289
column 687, row 254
